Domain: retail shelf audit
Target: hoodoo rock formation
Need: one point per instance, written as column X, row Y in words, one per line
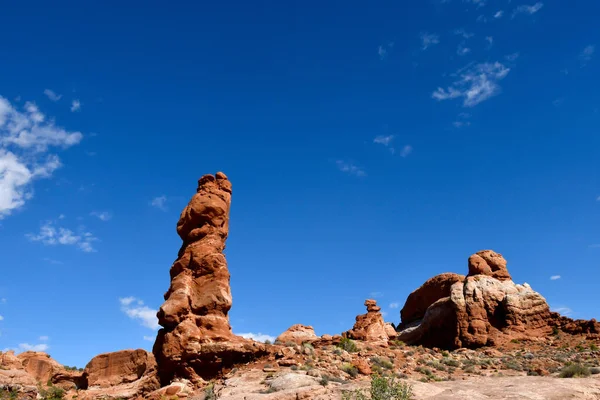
column 196, row 340
column 297, row 334
column 485, row 308
column 369, row 327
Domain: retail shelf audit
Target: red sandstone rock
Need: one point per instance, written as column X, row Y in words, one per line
column 40, row 365
column 490, row 263
column 126, row 366
column 431, row 291
column 369, row 327
column 486, row 308
column 196, row 340
column 298, row 334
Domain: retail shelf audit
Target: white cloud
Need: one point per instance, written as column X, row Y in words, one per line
column 463, row 33
column 33, row 347
column 428, row 40
column 394, row 305
column 490, row 40
column 528, row 9
column 52, row 95
column 44, row 338
column 384, row 140
column 594, row 246
column 258, row 337
column 475, row 84
column 1, row 318
column 51, row 235
column 384, row 313
column 139, row 311
column 462, row 50
column 25, row 138
column 555, row 277
column 3, row 300
column 499, row 14
column 101, row 215
column 75, row 105
column 512, row 57
column 350, row 168
column 587, row 53
column 406, row 150
column 159, row 202
column 563, row 310
column 382, row 51
column 149, row 338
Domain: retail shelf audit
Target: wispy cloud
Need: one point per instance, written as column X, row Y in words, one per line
column 385, row 140
column 394, row 305
column 475, row 84
column 25, row 139
column 586, row 55
column 75, row 105
column 44, row 338
column 135, row 309
column 462, row 120
column 406, row 151
column 258, row 337
column 376, row 295
column 463, row 33
column 384, row 49
column 428, row 40
column 511, row 57
column 159, row 202
column 594, row 246
column 490, row 42
column 52, row 261
column 499, row 14
column 52, row 235
column 350, row 168
column 462, row 49
column 101, row 215
column 149, row 338
column 528, row 9
column 33, row 347
column 1, row 318
column 555, row 277
column 563, row 310
column 52, row 95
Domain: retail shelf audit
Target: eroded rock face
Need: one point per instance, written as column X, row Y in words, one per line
column 298, row 334
column 39, row 365
column 126, row 366
column 485, row 308
column 490, row 263
column 196, row 340
column 369, row 327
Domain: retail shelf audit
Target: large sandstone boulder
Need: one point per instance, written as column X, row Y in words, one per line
column 297, row 334
column 196, row 340
column 126, row 366
column 369, row 327
column 40, row 365
column 485, row 308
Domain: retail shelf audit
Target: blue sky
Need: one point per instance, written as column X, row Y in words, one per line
column 370, row 146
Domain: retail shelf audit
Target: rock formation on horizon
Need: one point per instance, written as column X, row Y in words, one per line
column 196, row 340
column 484, row 308
column 370, row 327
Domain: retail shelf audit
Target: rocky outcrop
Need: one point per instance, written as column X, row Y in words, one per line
column 489, row 263
column 485, row 308
column 369, row 327
column 126, row 366
column 431, row 291
column 297, row 334
column 196, row 340
column 40, row 365
column 575, row 327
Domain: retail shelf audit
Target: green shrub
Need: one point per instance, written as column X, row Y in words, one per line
column 451, row 362
column 52, row 393
column 348, row 345
column 574, row 371
column 593, row 347
column 382, row 363
column 382, row 388
column 350, row 369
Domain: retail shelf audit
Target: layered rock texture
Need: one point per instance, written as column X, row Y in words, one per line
column 370, row 327
column 484, row 308
column 196, row 340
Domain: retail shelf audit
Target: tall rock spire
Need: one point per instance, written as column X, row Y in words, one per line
column 196, row 340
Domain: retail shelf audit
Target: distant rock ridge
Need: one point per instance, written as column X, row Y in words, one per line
column 484, row 308
column 196, row 340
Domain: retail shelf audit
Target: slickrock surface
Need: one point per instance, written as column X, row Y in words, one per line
column 196, row 340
